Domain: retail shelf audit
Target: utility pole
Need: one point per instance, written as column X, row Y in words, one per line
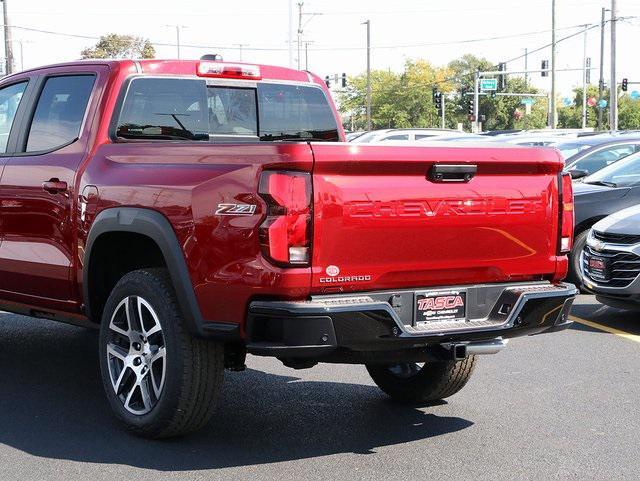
column 368, row 24
column 553, row 121
column 526, row 66
column 300, row 4
column 584, row 79
column 8, row 50
column 613, row 88
column 601, row 80
column 240, row 45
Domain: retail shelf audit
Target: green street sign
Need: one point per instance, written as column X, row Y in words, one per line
column 488, row 84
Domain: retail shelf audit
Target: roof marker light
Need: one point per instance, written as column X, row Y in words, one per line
column 228, row 70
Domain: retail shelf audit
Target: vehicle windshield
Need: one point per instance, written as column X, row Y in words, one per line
column 623, row 173
column 569, row 149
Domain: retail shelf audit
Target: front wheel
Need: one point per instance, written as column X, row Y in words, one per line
column 579, row 243
column 160, row 380
column 424, row 382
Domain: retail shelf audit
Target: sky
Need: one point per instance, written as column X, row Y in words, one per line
column 258, row 31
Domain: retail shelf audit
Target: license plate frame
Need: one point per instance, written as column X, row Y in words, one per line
column 431, row 307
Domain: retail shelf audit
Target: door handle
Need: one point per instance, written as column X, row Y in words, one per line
column 54, row 186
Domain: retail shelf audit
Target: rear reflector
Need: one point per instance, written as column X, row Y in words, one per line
column 567, row 215
column 228, row 70
column 285, row 234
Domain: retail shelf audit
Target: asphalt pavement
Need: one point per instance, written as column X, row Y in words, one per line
column 559, row 406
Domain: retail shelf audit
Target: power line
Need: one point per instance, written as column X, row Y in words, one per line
column 327, row 48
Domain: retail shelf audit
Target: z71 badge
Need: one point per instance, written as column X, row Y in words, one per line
column 236, row 209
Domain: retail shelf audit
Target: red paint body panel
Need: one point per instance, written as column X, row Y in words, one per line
column 371, row 209
column 379, row 218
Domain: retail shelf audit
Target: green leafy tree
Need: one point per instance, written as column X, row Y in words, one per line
column 120, row 46
column 629, row 113
column 570, row 117
column 398, row 100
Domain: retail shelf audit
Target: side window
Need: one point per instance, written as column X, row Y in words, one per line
column 294, row 112
column 165, row 109
column 59, row 112
column 9, row 101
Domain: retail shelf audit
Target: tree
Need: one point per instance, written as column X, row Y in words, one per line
column 120, row 46
column 397, row 100
column 570, row 116
column 628, row 113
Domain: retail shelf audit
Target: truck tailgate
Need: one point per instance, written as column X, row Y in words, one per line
column 383, row 220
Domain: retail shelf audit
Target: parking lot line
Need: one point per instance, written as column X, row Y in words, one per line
column 612, row 330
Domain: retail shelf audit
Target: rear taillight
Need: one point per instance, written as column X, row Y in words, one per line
column 567, row 219
column 285, row 235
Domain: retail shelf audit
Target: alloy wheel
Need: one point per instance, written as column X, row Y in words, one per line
column 136, row 355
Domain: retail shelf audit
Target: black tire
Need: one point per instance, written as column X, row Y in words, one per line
column 579, row 243
column 429, row 383
column 191, row 369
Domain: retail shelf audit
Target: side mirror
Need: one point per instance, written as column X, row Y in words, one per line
column 578, row 173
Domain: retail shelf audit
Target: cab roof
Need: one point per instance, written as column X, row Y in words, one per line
column 184, row 67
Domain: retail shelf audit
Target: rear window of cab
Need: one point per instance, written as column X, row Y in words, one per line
column 189, row 109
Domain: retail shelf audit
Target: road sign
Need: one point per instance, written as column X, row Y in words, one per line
column 567, row 101
column 488, row 84
column 635, row 95
column 602, row 104
column 527, row 101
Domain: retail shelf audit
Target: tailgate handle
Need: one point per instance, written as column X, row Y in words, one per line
column 452, row 173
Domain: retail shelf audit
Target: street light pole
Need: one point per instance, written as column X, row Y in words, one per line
column 613, row 88
column 177, row 27
column 368, row 24
column 7, row 40
column 526, row 66
column 553, row 121
column 240, row 45
column 601, row 80
column 306, row 54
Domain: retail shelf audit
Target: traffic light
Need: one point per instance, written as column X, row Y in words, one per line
column 327, row 80
column 494, row 94
column 588, row 70
column 344, row 80
column 437, row 100
column 502, row 78
column 545, row 68
column 625, row 84
column 472, row 106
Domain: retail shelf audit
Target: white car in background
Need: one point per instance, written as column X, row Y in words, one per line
column 408, row 135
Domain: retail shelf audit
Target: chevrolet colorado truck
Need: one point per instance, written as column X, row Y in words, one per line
column 197, row 211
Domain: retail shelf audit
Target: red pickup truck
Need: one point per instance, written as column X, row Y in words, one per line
column 197, row 211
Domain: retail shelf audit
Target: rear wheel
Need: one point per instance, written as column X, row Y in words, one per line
column 160, row 381
column 424, row 382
